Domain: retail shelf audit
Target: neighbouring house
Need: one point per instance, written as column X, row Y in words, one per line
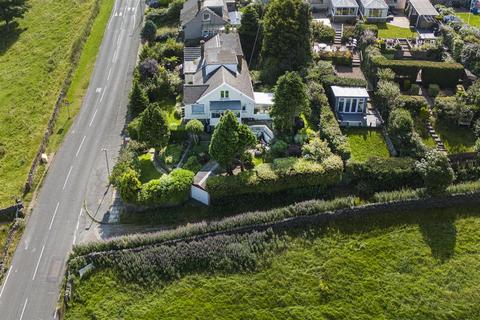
column 318, row 5
column 421, row 14
column 205, row 18
column 218, row 79
column 396, row 4
column 343, row 10
column 373, row 10
column 350, row 105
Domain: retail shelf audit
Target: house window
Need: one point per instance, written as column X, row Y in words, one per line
column 206, row 17
column 354, row 105
column 360, row 105
column 341, row 103
column 375, row 13
column 198, row 109
column 347, row 105
column 224, row 94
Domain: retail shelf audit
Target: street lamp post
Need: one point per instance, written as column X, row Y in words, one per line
column 106, row 160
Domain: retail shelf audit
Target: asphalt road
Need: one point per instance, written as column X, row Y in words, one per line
column 31, row 286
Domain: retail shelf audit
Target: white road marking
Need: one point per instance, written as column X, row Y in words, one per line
column 103, row 94
column 115, row 56
column 109, row 73
column 120, row 14
column 98, row 90
column 23, row 310
column 5, row 282
column 80, row 147
column 76, row 228
column 38, row 263
column 66, row 179
column 54, row 214
column 93, row 117
column 135, row 14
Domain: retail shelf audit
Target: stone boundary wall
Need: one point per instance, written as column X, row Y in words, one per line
column 323, row 218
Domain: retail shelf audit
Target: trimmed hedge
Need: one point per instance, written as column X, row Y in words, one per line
column 169, row 190
column 330, row 131
column 333, row 80
column 414, row 104
column 445, row 74
column 282, row 174
column 383, row 174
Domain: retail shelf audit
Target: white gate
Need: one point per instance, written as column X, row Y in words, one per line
column 200, row 195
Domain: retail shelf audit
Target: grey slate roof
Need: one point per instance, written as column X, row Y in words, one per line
column 190, row 9
column 230, row 41
column 344, row 4
column 192, row 93
column 374, row 4
column 191, row 53
column 424, row 7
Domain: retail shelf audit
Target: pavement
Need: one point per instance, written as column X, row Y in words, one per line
column 78, row 172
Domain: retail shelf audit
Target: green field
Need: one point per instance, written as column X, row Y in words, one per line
column 366, row 143
column 34, row 61
column 456, row 139
column 424, row 268
column 474, row 18
column 387, row 30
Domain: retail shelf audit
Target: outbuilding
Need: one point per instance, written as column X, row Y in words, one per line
column 350, row 105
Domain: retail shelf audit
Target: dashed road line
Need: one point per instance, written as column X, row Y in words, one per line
column 54, row 214
column 93, row 117
column 76, row 228
column 5, row 282
column 24, row 307
column 66, row 179
column 80, row 147
column 38, row 263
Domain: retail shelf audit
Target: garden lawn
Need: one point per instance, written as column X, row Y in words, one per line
column 366, row 143
column 147, row 169
column 422, row 131
column 426, row 269
column 456, row 139
column 474, row 18
column 386, row 30
column 34, row 61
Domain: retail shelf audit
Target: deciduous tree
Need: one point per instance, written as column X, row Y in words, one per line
column 250, row 33
column 436, row 171
column 194, row 128
column 11, row 9
column 153, row 128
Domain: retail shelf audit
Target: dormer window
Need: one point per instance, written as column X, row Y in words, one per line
column 224, row 94
column 206, row 16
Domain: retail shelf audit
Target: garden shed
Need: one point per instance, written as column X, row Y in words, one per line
column 350, row 105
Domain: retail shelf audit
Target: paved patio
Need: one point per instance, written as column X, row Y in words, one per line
column 400, row 20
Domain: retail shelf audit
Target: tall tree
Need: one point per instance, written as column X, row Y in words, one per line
column 230, row 140
column 153, row 128
column 290, row 100
column 286, row 37
column 11, row 9
column 138, row 99
column 250, row 33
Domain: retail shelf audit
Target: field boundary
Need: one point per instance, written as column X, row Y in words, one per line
column 74, row 59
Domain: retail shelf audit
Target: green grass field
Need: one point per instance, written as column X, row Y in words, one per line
column 386, row 30
column 424, row 269
column 474, row 18
column 34, row 61
column 366, row 143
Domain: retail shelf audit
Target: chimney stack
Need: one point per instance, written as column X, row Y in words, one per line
column 202, row 48
column 199, row 4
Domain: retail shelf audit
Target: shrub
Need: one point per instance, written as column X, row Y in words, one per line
column 414, row 89
column 414, row 104
column 149, row 31
column 387, row 98
column 338, row 58
column 316, row 150
column 127, row 159
column 451, row 109
column 179, row 134
column 386, row 74
column 128, row 185
column 322, row 33
column 470, row 57
column 436, row 171
column 332, row 80
column 169, row 190
column 283, row 174
column 360, row 28
column 383, row 174
column 330, row 131
column 348, row 32
column 400, row 129
column 279, row 149
column 148, row 68
column 194, row 127
column 476, row 129
column 192, row 164
column 433, row 90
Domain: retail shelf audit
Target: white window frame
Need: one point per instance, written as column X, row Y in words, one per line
column 206, row 16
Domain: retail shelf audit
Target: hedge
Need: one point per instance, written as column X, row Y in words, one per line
column 414, row 104
column 445, row 74
column 282, row 174
column 333, row 80
column 383, row 174
column 330, row 131
column 169, row 190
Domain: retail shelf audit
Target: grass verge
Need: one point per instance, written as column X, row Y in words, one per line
column 424, row 268
column 366, row 143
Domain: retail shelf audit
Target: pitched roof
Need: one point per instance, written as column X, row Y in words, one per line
column 374, row 4
column 189, row 11
column 344, row 3
column 230, row 41
column 424, row 7
column 191, row 8
column 191, row 93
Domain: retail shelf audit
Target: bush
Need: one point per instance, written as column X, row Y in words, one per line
column 453, row 110
column 338, row 58
column 167, row 16
column 383, row 174
column 128, row 185
column 360, row 28
column 279, row 149
column 414, row 89
column 348, row 32
column 400, row 129
column 169, row 190
column 283, row 174
column 192, row 164
column 387, row 98
column 322, row 33
column 127, row 159
column 386, row 74
column 436, row 171
column 414, row 104
column 330, row 131
column 332, row 80
column 149, row 31
column 316, row 150
column 476, row 129
column 433, row 90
